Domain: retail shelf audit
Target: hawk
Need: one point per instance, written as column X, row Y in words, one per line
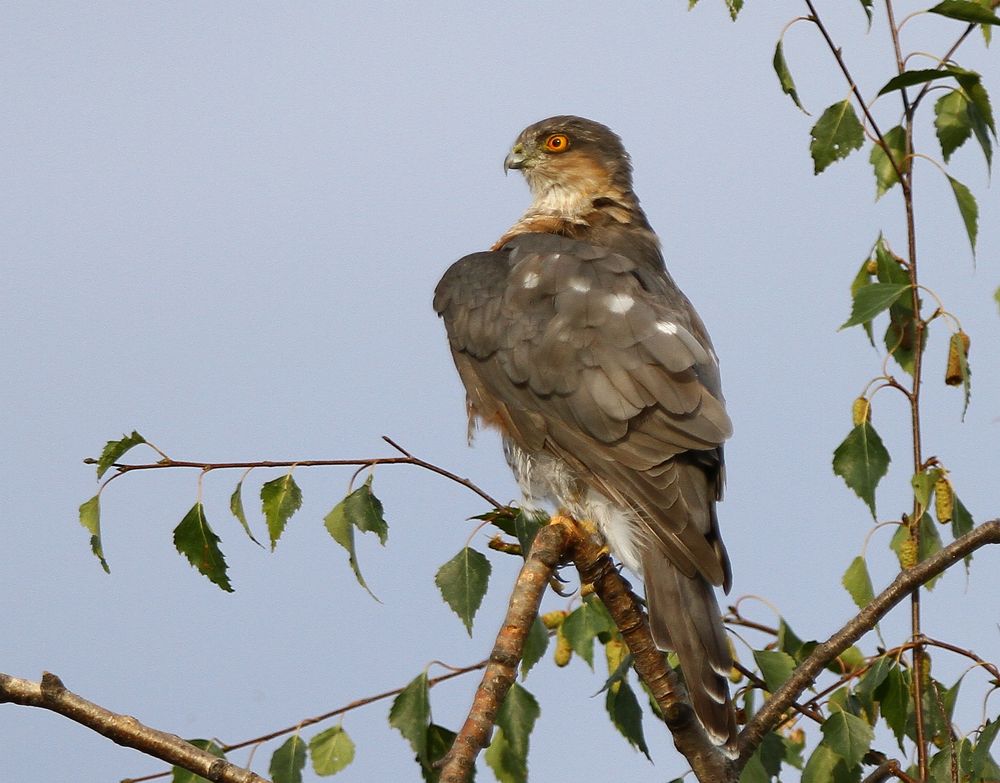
column 573, row 341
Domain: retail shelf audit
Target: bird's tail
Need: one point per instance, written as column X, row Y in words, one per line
column 684, row 617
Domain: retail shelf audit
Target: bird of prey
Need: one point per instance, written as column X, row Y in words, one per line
column 573, row 341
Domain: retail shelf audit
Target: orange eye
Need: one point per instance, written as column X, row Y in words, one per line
column 557, row 142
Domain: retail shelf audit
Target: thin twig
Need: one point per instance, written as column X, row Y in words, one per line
column 771, row 712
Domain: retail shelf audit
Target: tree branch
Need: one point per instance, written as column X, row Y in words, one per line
column 546, row 552
column 905, row 583
column 707, row 760
column 51, row 694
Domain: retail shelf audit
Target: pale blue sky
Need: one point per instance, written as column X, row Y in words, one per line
column 221, row 224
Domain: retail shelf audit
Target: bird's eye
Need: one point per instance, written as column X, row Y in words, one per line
column 557, row 142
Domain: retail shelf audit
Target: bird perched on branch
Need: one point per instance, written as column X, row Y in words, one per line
column 575, row 343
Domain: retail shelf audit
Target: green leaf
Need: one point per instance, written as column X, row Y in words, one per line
column 923, row 486
column 462, row 582
column 236, row 507
column 951, row 122
column 439, row 742
column 516, row 717
column 535, row 645
column 848, row 736
column 894, row 698
column 411, row 715
column 871, row 300
column 754, row 771
column 626, row 715
column 280, row 499
column 507, row 766
column 965, row 11
column 979, row 99
column 824, row 766
column 331, row 751
column 115, row 449
column 194, row 539
column 289, row 760
column 785, row 76
column 968, row 208
column 862, row 279
column 981, row 752
column 867, row 5
column 874, row 677
column 861, row 461
column 836, row 134
column 775, row 667
column 734, row 6
column 885, row 171
column 788, row 641
column 339, row 524
column 961, row 519
column 580, row 634
column 90, row 518
column 910, row 78
column 858, row 583
column 181, row 775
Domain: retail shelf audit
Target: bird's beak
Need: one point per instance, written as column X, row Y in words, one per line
column 516, row 159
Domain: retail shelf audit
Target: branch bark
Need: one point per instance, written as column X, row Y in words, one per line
column 546, row 552
column 904, row 584
column 51, row 694
column 708, row 761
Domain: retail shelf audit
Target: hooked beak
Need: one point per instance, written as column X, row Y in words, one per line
column 516, row 159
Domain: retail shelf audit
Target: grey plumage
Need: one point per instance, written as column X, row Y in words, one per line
column 573, row 340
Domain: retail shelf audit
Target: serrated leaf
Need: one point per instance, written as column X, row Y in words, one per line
column 894, row 699
column 785, row 76
column 981, row 752
column 858, row 583
column 848, row 736
column 181, row 775
column 951, row 122
column 888, row 267
column 517, row 716
column 236, row 507
column 775, row 667
column 885, row 172
column 439, row 742
column 867, row 5
column 961, row 519
column 734, row 6
column 289, row 760
column 535, row 645
column 339, row 526
column 965, row 11
column 331, row 751
column 788, row 641
column 872, row 299
column 280, row 499
column 115, row 450
column 463, row 581
column 968, row 208
column 410, row 715
column 626, row 715
column 835, row 135
column 194, row 539
column 90, row 518
column 861, row 461
column 506, row 765
column 824, row 766
column 979, row 99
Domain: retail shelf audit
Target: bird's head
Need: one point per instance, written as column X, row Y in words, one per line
column 569, row 162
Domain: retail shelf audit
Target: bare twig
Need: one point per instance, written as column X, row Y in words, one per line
column 907, row 581
column 546, row 552
column 51, row 694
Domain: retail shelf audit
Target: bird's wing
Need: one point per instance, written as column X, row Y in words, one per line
column 599, row 360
